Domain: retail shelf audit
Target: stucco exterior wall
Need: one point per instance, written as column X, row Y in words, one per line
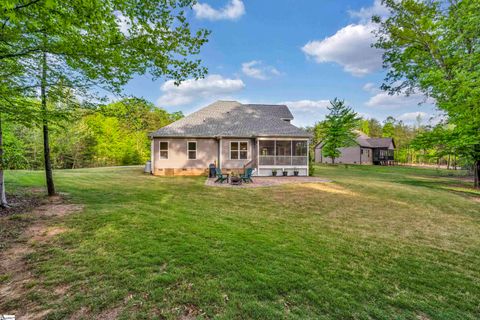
column 228, row 163
column 178, row 162
column 350, row 155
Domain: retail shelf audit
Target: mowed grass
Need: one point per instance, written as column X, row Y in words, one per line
column 376, row 243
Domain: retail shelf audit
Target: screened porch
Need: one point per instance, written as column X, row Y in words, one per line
column 282, row 153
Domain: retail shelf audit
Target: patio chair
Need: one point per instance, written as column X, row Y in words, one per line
column 220, row 176
column 247, row 176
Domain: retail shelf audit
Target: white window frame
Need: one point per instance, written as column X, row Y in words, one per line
column 160, row 150
column 188, row 150
column 238, row 142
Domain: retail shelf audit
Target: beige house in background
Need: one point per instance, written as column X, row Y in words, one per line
column 233, row 136
column 378, row 151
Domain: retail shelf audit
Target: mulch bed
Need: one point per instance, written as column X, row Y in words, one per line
column 266, row 182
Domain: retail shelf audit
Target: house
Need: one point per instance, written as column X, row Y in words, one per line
column 379, row 151
column 233, row 136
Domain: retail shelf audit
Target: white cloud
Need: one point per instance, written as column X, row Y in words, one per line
column 211, row 87
column 412, row 116
column 365, row 14
column 350, row 47
column 370, row 87
column 307, row 105
column 307, row 112
column 256, row 69
column 232, row 11
column 383, row 100
column 124, row 23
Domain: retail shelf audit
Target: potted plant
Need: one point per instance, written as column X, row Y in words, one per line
column 285, row 172
column 274, row 172
column 295, row 172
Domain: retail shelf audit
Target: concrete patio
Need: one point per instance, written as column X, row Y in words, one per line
column 266, row 182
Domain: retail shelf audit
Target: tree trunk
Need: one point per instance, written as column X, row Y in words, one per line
column 333, row 160
column 46, row 143
column 476, row 173
column 448, row 162
column 3, row 197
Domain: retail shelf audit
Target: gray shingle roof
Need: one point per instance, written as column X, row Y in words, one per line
column 365, row 141
column 380, row 142
column 233, row 119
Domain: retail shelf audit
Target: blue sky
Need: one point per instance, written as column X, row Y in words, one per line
column 299, row 53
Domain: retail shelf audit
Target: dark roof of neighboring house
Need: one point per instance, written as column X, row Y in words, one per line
column 380, row 142
column 233, row 119
column 365, row 141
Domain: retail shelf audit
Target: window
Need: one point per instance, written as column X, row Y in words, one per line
column 163, row 150
column 238, row 150
column 192, row 150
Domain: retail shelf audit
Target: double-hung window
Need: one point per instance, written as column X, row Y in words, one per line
column 192, row 150
column 238, row 150
column 163, row 150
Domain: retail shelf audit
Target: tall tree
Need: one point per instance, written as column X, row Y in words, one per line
column 80, row 45
column 338, row 129
column 434, row 47
column 388, row 127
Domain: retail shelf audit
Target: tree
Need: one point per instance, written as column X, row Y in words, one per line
column 433, row 47
column 75, row 53
column 15, row 105
column 388, row 127
column 338, row 129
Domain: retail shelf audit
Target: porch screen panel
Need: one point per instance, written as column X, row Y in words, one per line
column 284, row 152
column 266, row 152
column 299, row 152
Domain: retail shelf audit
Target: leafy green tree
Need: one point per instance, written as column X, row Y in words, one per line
column 388, row 127
column 338, row 129
column 64, row 42
column 433, row 47
column 364, row 126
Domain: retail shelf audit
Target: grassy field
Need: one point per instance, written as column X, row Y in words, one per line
column 376, row 243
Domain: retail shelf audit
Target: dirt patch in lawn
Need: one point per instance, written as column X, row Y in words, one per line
column 14, row 265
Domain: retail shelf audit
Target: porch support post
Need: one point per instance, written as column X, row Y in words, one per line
column 308, row 156
column 152, row 156
column 258, row 155
column 275, row 152
column 219, row 153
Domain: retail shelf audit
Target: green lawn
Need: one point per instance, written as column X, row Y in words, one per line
column 376, row 243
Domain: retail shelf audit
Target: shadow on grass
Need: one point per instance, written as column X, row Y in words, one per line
column 452, row 185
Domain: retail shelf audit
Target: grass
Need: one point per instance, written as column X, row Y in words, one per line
column 376, row 243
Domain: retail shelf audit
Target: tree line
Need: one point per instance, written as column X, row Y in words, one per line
column 109, row 135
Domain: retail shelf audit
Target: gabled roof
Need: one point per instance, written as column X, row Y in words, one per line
column 380, row 142
column 365, row 141
column 233, row 119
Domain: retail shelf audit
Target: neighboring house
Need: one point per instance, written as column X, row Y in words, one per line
column 233, row 136
column 366, row 150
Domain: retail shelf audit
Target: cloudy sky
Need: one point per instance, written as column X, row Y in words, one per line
column 298, row 53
